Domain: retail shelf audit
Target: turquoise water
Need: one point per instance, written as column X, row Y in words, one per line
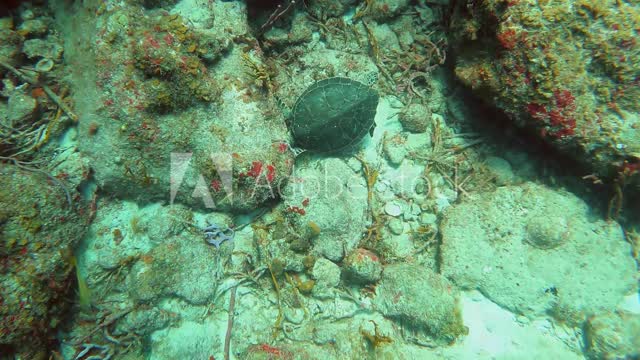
column 334, row 179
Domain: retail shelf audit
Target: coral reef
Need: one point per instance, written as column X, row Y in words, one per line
column 44, row 215
column 211, row 235
column 39, row 231
column 567, row 69
column 159, row 83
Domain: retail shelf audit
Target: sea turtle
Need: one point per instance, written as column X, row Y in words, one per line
column 333, row 114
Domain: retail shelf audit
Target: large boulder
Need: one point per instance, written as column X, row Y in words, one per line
column 614, row 335
column 331, row 197
column 418, row 297
column 38, row 230
column 172, row 119
column 567, row 69
column 537, row 251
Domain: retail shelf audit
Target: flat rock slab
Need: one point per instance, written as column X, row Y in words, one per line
column 535, row 251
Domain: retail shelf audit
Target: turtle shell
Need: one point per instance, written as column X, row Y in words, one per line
column 333, row 114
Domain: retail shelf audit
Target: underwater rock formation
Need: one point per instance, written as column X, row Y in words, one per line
column 567, row 69
column 362, row 267
column 38, row 231
column 423, row 299
column 174, row 121
column 333, row 196
column 189, row 97
column 537, row 251
column 614, row 335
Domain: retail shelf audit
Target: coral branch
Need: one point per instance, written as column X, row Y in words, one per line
column 277, row 14
column 227, row 338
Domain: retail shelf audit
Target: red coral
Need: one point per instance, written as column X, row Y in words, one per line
column 563, row 132
column 216, row 185
column 630, row 168
column 256, row 169
column 536, row 110
column 271, row 352
column 271, row 173
column 559, row 117
column 555, row 118
column 564, row 99
column 566, row 128
column 168, row 39
column 153, row 42
column 270, row 349
column 364, row 254
column 282, row 147
column 508, row 39
column 297, row 210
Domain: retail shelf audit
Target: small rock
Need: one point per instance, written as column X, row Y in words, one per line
column 547, row 233
column 300, row 29
column 396, row 226
column 44, row 65
column 386, row 9
column 381, row 186
column 37, row 48
column 614, row 336
column 426, row 15
column 394, row 152
column 415, row 118
column 414, row 211
column 428, row 218
column 33, row 28
column 150, row 4
column 326, row 274
column 213, row 46
column 10, row 49
column 393, row 209
column 295, row 316
column 27, row 15
column 444, row 199
column 405, row 39
column 362, row 267
column 501, row 169
column 6, row 23
column 144, row 321
column 422, row 186
column 419, row 297
column 22, row 107
column 324, row 9
column 385, row 36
